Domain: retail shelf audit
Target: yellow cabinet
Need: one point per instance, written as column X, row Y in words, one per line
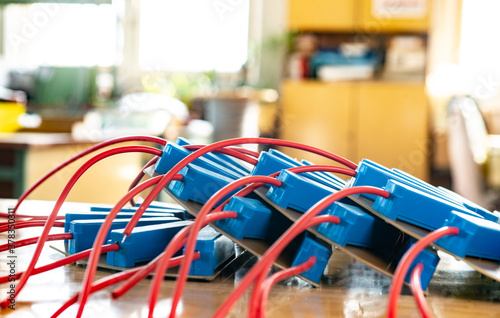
column 368, row 16
column 321, row 15
column 392, row 126
column 386, row 122
column 376, row 16
column 317, row 114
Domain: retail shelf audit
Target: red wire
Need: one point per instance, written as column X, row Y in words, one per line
column 264, row 265
column 188, row 250
column 221, row 144
column 25, row 224
column 60, row 200
column 33, row 240
column 406, row 261
column 279, row 276
column 65, row 261
column 175, row 244
column 116, row 278
column 28, row 191
column 140, row 175
column 101, row 236
column 22, row 216
column 245, row 151
column 418, row 292
column 302, row 169
column 232, row 151
column 295, row 227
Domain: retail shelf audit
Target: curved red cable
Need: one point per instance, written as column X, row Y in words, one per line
column 25, row 224
column 140, row 175
column 60, row 200
column 297, row 226
column 65, row 261
column 101, row 236
column 232, row 151
column 33, row 240
column 279, row 276
column 28, row 191
column 406, row 261
column 302, row 169
column 418, row 292
column 264, row 265
column 113, row 279
column 188, row 250
column 177, row 242
column 221, row 144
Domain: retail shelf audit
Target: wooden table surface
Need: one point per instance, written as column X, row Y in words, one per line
column 348, row 289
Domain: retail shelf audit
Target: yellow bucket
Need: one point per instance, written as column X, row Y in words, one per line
column 9, row 113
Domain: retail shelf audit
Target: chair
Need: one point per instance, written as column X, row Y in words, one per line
column 474, row 153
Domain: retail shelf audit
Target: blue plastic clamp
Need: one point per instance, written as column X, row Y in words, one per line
column 173, row 154
column 143, row 244
column 416, row 207
column 311, row 245
column 477, row 237
column 73, row 216
column 358, row 228
column 373, row 174
column 215, row 249
column 224, row 160
column 199, row 184
column 297, row 192
column 85, row 231
column 253, row 219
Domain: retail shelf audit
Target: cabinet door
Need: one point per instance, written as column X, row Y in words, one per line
column 317, row 114
column 317, row 15
column 393, row 126
column 394, row 16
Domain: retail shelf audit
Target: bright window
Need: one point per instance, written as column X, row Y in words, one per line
column 59, row 34
column 193, row 35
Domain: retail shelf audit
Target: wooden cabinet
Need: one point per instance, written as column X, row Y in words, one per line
column 375, row 18
column 383, row 121
column 317, row 114
column 392, row 125
column 322, row 15
column 369, row 16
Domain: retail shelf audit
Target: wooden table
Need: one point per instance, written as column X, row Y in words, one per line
column 348, row 289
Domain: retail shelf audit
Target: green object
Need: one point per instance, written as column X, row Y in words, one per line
column 67, row 89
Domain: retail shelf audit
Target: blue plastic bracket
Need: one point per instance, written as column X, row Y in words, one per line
column 143, row 244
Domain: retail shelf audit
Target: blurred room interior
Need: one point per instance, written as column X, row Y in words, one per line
column 414, row 87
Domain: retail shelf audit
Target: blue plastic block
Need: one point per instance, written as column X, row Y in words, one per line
column 69, row 217
column 162, row 205
column 178, row 213
column 358, row 228
column 253, row 219
column 221, row 159
column 199, row 184
column 270, row 163
column 491, row 216
column 477, row 237
column 297, row 192
column 373, row 174
column 430, row 259
column 214, row 248
column 143, row 244
column 335, row 181
column 309, row 246
column 85, row 231
column 173, row 154
column 416, row 207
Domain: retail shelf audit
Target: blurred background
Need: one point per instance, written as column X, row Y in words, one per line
column 411, row 84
